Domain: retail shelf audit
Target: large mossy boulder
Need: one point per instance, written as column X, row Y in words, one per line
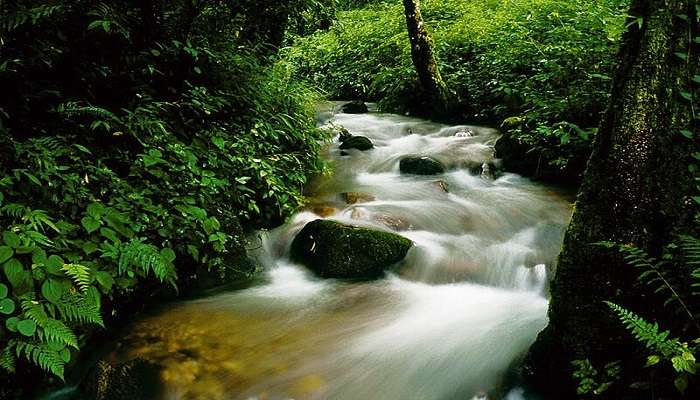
column 355, row 107
column 334, row 250
column 356, row 142
column 421, row 166
column 137, row 379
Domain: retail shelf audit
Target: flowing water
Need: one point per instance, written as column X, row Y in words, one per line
column 451, row 323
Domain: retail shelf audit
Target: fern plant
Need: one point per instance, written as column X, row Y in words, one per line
column 149, row 259
column 660, row 344
column 653, row 272
column 680, row 355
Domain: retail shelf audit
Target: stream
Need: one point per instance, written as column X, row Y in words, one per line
column 453, row 322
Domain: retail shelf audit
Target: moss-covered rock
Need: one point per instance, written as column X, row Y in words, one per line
column 421, row 166
column 356, row 142
column 355, row 107
column 334, row 250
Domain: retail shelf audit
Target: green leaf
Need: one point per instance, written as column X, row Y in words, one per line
column 90, row 224
column 687, row 95
column 5, row 253
column 82, row 148
column 33, row 178
column 219, row 142
column 54, row 264
column 52, row 290
column 65, row 354
column 3, row 290
column 26, row 327
column 681, row 383
column 7, row 306
column 167, row 254
column 682, row 56
column 11, row 239
column 194, row 251
column 95, row 210
column 56, row 346
column 39, row 257
column 89, row 247
column 105, row 280
column 11, row 324
column 109, row 234
column 687, row 133
column 652, row 360
column 696, row 78
column 14, row 272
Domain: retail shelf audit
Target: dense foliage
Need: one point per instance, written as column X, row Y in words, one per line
column 138, row 141
column 539, row 68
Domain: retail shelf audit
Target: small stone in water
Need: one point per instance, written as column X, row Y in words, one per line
column 465, row 134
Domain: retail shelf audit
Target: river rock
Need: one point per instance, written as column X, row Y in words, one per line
column 334, row 250
column 343, row 134
column 421, row 166
column 355, row 107
column 356, row 142
column 356, row 197
column 137, row 379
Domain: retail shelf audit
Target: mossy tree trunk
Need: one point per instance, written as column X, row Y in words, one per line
column 636, row 191
column 424, row 58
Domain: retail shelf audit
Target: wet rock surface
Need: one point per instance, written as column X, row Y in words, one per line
column 355, row 107
column 357, row 142
column 421, row 166
column 334, row 250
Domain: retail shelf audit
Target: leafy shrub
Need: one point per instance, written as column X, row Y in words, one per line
column 132, row 159
column 544, row 65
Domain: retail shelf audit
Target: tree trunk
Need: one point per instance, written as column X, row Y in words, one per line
column 636, row 191
column 424, row 58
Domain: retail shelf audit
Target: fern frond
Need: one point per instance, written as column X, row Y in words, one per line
column 52, row 330
column 20, row 17
column 690, row 248
column 35, row 311
column 42, row 355
column 79, row 308
column 56, row 331
column 73, row 108
column 80, row 275
column 7, row 359
column 13, row 210
column 647, row 333
column 653, row 274
column 147, row 258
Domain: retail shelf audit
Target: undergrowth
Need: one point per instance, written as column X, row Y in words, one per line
column 136, row 146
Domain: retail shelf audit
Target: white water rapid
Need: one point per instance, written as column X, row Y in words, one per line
column 452, row 323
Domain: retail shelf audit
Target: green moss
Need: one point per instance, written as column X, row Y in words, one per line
column 335, row 250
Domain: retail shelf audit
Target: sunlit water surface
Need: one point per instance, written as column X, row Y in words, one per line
column 452, row 323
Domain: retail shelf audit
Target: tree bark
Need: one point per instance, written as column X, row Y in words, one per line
column 636, row 191
column 424, row 58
